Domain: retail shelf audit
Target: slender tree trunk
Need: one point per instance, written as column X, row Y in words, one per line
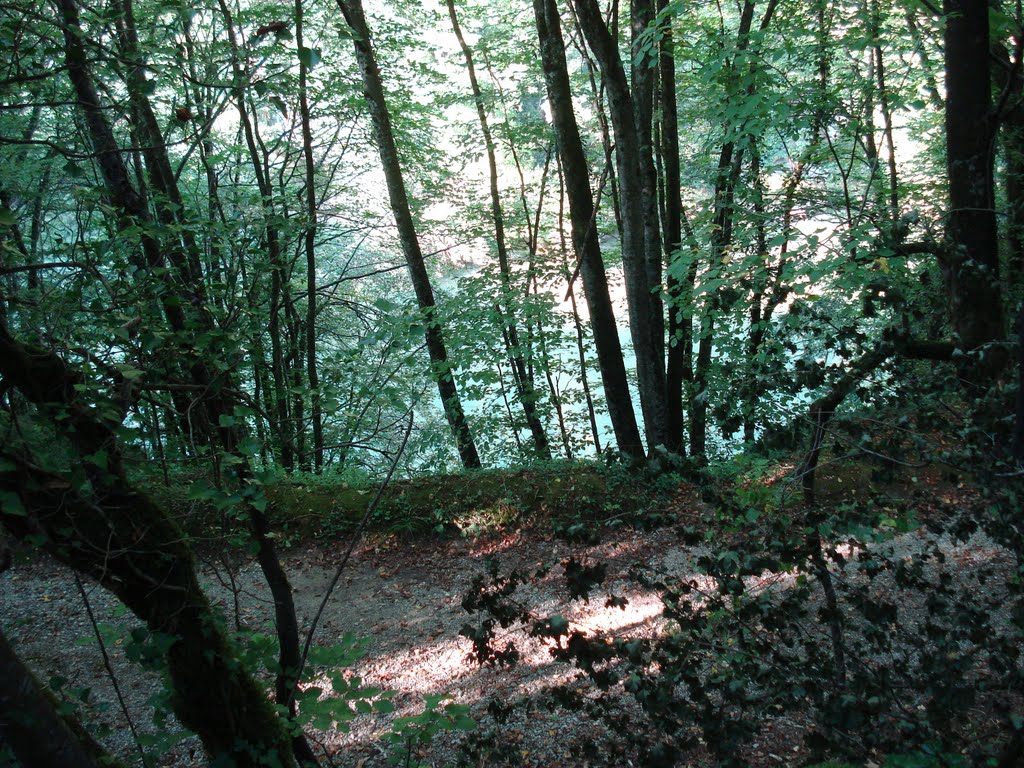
column 272, row 243
column 296, row 377
column 641, row 255
column 285, row 422
column 883, row 103
column 356, row 20
column 597, row 93
column 679, row 322
column 730, row 161
column 1013, row 149
column 927, row 69
column 751, row 386
column 581, row 212
column 309, row 245
column 577, row 323
column 528, row 396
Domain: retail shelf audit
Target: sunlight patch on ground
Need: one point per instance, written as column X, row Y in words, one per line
column 597, row 618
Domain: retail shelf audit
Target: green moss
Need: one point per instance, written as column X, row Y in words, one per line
column 556, row 494
column 467, row 502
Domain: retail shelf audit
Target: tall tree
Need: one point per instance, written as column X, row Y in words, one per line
column 679, row 283
column 631, row 111
column 528, row 395
column 183, row 288
column 970, row 264
column 309, row 237
column 582, row 217
column 352, row 10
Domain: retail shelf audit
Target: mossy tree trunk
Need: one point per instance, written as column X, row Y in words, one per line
column 106, row 529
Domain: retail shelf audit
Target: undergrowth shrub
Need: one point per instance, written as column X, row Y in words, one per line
column 872, row 641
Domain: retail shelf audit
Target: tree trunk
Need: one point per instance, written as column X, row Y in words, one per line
column 117, row 535
column 528, row 395
column 883, row 103
column 581, row 212
column 356, row 20
column 31, row 726
column 730, row 161
column 309, row 245
column 970, row 265
column 576, row 322
column 641, row 254
column 217, row 401
column 680, row 332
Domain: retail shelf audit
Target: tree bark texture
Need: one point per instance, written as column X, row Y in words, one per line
column 31, row 726
column 971, row 264
column 679, row 288
column 216, row 387
column 113, row 533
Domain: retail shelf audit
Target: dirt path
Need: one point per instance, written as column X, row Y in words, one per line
column 403, row 599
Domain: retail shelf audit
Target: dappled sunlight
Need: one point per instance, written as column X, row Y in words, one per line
column 596, row 617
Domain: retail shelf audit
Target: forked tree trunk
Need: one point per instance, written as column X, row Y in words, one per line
column 217, row 398
column 581, row 212
column 630, row 113
column 113, row 533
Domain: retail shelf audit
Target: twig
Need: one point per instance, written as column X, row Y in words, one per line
column 110, row 669
column 352, row 545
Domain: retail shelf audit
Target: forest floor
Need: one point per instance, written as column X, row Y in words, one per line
column 403, row 597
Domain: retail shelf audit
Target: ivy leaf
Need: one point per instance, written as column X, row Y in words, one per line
column 7, row 218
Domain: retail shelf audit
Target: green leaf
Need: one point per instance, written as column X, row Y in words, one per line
column 98, row 459
column 309, row 57
column 250, row 446
column 10, row 504
column 201, row 490
column 7, row 218
column 129, row 372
